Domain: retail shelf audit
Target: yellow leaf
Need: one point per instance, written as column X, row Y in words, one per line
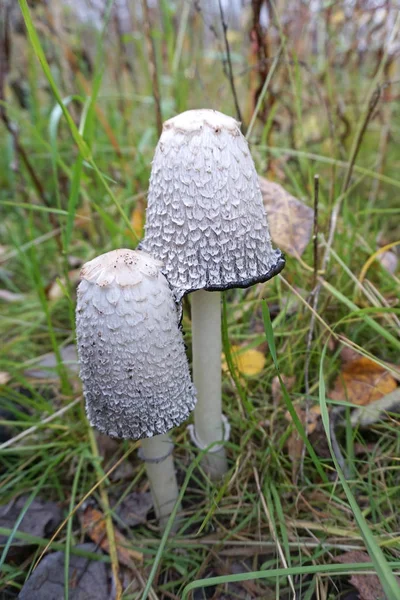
column 248, row 362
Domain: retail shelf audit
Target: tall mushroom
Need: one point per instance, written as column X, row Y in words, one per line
column 206, row 222
column 132, row 361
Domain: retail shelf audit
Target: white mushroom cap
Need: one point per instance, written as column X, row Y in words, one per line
column 205, row 217
column 132, row 356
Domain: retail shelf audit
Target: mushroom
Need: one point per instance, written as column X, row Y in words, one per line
column 206, row 222
column 132, row 361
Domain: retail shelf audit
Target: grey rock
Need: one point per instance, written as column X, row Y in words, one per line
column 205, row 216
column 132, row 356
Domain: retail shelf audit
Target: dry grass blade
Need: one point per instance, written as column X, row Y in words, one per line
column 273, row 530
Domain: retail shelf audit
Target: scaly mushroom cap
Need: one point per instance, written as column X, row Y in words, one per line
column 131, row 352
column 205, row 217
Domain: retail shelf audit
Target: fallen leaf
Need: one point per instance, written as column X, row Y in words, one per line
column 362, row 381
column 94, row 523
column 388, row 260
column 46, row 368
column 295, row 443
column 88, row 579
column 4, row 377
column 290, row 221
column 134, row 508
column 368, row 586
column 124, row 471
column 40, row 519
column 367, row 415
column 248, row 362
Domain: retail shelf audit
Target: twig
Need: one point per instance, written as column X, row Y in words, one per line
column 315, row 232
column 152, row 66
column 373, row 101
column 260, row 48
column 312, row 323
column 229, row 63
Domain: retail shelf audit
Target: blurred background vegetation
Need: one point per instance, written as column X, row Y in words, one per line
column 316, row 86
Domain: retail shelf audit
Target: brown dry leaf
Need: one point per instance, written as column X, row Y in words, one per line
column 248, row 362
column 290, row 221
column 295, row 444
column 361, row 381
column 367, row 586
column 276, row 389
column 94, row 524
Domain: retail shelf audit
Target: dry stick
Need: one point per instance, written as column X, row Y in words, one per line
column 372, row 103
column 229, row 63
column 152, row 65
column 311, row 330
column 315, row 233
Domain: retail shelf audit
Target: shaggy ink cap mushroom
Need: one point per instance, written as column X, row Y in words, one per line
column 205, row 217
column 131, row 351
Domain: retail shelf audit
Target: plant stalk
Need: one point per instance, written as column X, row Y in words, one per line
column 157, row 454
column 207, row 347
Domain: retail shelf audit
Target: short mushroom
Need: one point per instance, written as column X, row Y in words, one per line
column 206, row 222
column 132, row 361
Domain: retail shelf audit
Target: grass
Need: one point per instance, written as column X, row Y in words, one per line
column 73, row 169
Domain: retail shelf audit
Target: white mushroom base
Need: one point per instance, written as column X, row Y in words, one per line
column 207, row 347
column 157, row 455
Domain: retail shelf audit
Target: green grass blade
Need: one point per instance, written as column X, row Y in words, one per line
column 353, row 307
column 382, row 567
column 269, row 333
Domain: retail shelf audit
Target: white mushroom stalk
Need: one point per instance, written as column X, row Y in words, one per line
column 206, row 222
column 132, row 361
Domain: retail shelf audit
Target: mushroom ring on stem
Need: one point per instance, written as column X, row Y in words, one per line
column 132, row 359
column 206, row 222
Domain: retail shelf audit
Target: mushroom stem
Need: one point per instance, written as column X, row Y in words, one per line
column 157, row 454
column 207, row 346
